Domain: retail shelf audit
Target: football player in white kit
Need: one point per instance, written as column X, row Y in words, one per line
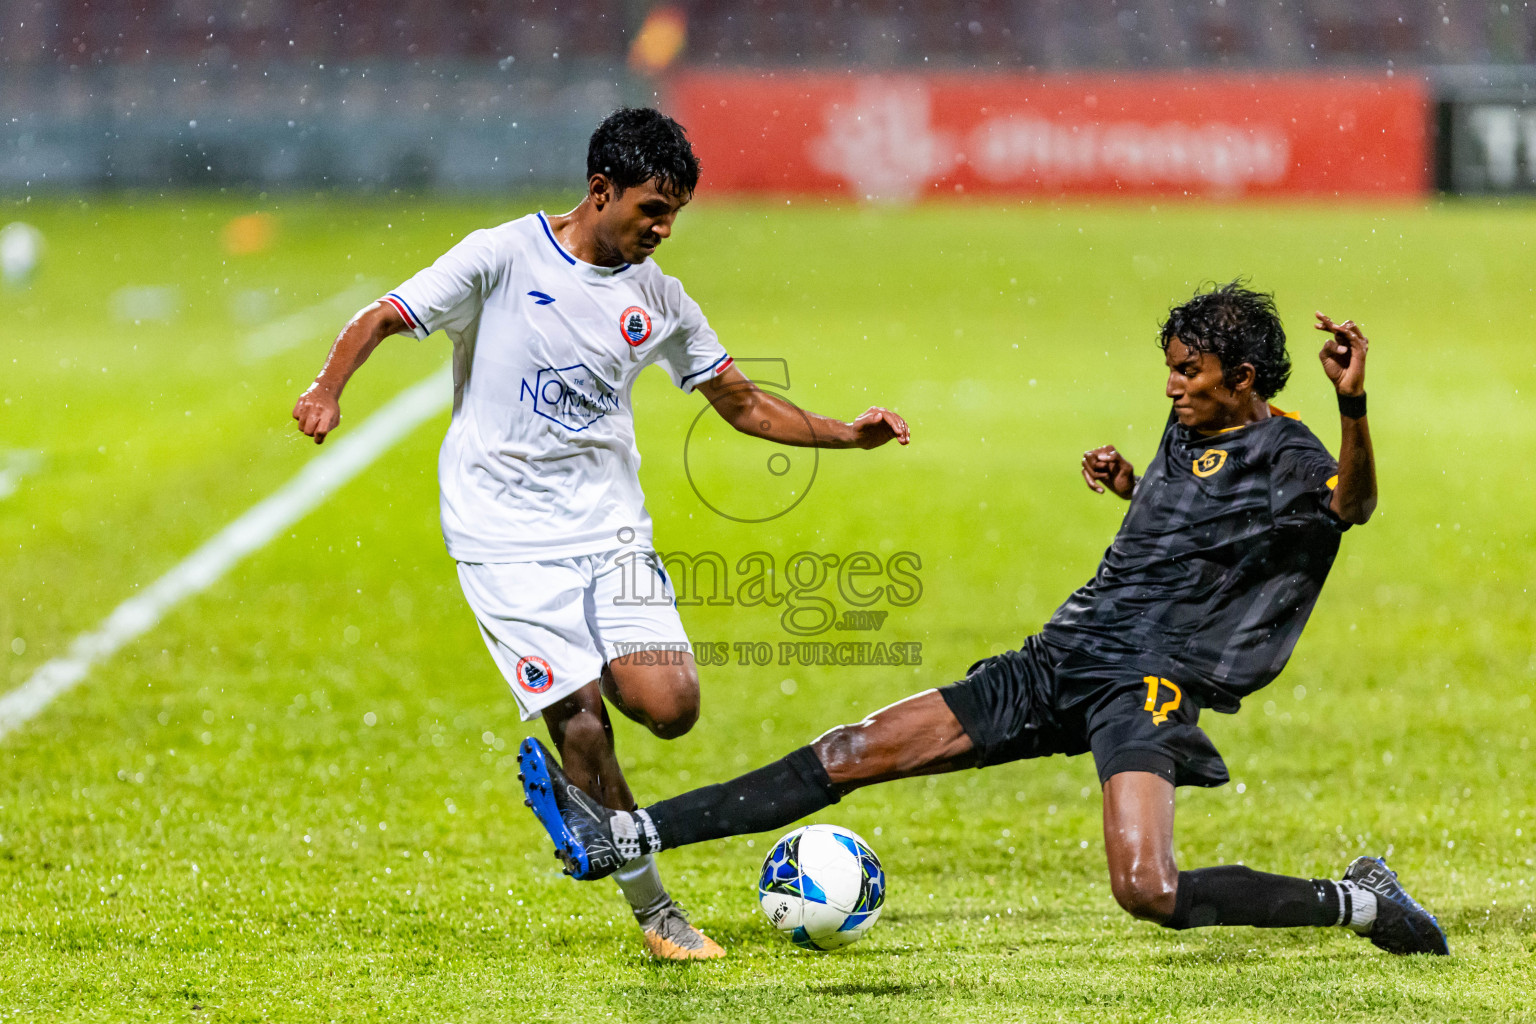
column 552, row 318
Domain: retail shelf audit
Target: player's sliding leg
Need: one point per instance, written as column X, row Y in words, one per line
column 1138, row 838
column 916, row 736
column 665, row 700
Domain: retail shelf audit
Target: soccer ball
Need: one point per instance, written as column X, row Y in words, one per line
column 822, row 886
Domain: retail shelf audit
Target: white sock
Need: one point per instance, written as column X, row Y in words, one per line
column 634, row 834
column 1358, row 909
column 640, row 882
column 626, row 834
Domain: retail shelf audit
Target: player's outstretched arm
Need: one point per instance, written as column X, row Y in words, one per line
column 1105, row 467
column 1343, row 359
column 754, row 411
column 318, row 409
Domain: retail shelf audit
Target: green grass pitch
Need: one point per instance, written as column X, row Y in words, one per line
column 295, row 799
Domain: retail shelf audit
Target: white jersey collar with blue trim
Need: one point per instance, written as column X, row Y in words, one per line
column 581, row 266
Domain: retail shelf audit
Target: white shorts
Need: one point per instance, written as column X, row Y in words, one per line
column 551, row 626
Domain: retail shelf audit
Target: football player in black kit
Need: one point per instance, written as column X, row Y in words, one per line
column 1197, row 604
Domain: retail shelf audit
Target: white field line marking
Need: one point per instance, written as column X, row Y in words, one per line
column 13, row 466
column 296, row 329
column 333, row 467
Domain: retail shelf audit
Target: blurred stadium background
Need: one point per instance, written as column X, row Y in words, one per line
column 974, row 212
column 474, row 96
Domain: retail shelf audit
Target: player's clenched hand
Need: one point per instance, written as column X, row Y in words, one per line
column 1106, row 467
column 318, row 412
column 877, row 426
column 1343, row 355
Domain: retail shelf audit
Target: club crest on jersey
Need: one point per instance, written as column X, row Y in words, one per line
column 534, row 674
column 635, row 325
column 1208, row 463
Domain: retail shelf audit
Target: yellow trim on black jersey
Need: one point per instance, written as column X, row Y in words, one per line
column 1274, row 410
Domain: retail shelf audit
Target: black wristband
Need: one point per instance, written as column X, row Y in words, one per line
column 1352, row 406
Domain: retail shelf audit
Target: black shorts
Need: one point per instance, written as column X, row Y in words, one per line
column 1040, row 700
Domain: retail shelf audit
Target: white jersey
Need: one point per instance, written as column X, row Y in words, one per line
column 540, row 460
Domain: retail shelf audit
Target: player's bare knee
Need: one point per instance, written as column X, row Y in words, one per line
column 677, row 711
column 1147, row 893
column 677, row 719
column 840, row 751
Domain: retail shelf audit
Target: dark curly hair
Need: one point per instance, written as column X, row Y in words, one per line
column 635, row 144
column 1237, row 326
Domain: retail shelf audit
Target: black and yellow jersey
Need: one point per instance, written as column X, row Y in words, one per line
column 1221, row 556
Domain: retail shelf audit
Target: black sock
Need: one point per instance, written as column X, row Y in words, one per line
column 1239, row 895
column 770, row 797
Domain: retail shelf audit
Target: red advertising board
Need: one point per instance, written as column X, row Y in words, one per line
column 899, row 137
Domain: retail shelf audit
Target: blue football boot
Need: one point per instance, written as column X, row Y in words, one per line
column 577, row 824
